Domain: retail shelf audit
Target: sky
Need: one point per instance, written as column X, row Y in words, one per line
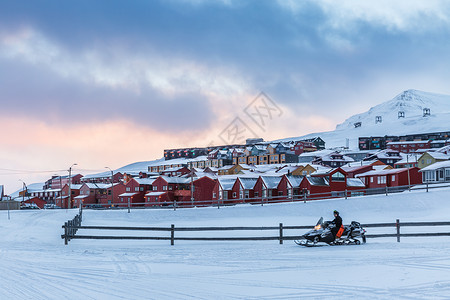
column 107, row 83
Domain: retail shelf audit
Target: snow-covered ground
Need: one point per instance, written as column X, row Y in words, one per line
column 35, row 263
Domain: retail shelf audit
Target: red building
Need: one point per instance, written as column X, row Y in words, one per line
column 35, row 200
column 409, row 146
column 57, row 182
column 223, row 189
column 165, row 190
column 104, row 177
column 353, row 171
column 303, row 146
column 64, row 199
column 288, row 187
column 243, row 190
column 391, row 177
column 176, row 171
column 266, row 187
column 332, row 183
column 135, row 192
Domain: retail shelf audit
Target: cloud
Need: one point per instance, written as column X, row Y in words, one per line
column 403, row 15
column 103, row 83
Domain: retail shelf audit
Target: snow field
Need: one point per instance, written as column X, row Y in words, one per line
column 36, row 264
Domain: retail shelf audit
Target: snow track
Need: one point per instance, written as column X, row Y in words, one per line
column 35, row 264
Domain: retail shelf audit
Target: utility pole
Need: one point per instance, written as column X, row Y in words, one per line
column 192, row 186
column 112, row 185
column 69, row 205
column 409, row 179
column 60, row 193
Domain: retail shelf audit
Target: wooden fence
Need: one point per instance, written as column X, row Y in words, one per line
column 71, row 227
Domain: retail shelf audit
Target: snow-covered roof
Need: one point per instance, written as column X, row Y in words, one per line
column 81, row 196
column 437, row 165
column 154, row 194
column 349, row 169
column 408, row 159
column 147, row 181
column 106, row 174
column 408, row 143
column 248, row 183
column 271, row 182
column 318, row 181
column 387, row 154
column 319, row 153
column 295, row 180
column 227, row 183
column 127, row 194
column 355, row 182
column 175, row 180
column 439, row 155
column 382, row 172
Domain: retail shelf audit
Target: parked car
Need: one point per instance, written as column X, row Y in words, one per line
column 94, row 206
column 51, row 206
column 29, row 206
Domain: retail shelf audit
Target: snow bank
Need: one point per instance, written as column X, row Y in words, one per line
column 36, row 264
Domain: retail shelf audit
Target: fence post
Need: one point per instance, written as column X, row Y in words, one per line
column 427, row 186
column 304, row 197
column 128, row 205
column 281, row 233
column 345, row 193
column 66, row 232
column 174, row 204
column 172, row 234
column 218, row 203
column 397, row 223
column 386, row 190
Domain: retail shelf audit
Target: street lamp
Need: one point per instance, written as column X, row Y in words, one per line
column 70, row 186
column 112, row 184
column 25, row 189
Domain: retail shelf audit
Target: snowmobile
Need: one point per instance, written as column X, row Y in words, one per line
column 353, row 235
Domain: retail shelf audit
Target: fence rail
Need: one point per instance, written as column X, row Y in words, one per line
column 71, row 227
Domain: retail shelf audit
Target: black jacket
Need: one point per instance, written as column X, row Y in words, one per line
column 337, row 221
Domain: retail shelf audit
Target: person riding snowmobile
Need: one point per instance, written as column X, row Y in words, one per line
column 339, row 228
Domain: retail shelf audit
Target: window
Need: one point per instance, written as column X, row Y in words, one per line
column 164, row 187
column 280, row 193
column 256, row 194
column 155, row 188
column 214, row 195
column 247, row 194
column 170, row 187
column 136, row 189
column 338, row 176
column 393, row 177
column 381, row 179
column 128, row 189
column 371, row 179
column 234, row 194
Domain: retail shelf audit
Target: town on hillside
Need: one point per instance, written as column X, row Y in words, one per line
column 257, row 172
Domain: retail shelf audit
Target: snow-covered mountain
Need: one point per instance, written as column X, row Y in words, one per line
column 411, row 103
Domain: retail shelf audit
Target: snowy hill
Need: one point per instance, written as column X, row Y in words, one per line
column 410, row 102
